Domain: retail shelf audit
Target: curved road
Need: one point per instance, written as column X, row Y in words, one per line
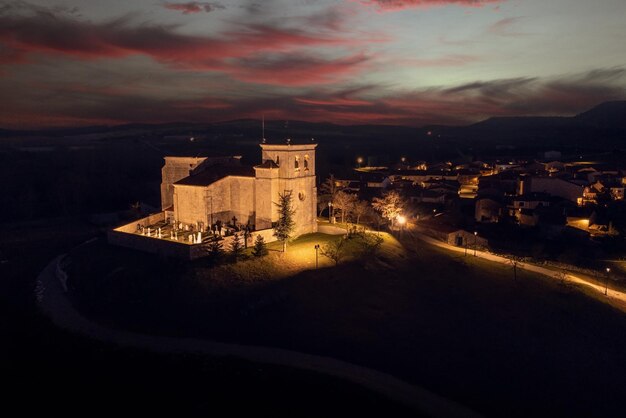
column 54, row 303
column 616, row 296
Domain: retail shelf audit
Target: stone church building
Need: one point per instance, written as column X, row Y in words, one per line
column 200, row 191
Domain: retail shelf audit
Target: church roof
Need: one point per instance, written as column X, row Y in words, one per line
column 216, row 172
column 267, row 164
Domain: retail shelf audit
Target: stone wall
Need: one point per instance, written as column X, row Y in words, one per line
column 143, row 243
column 145, row 222
column 228, row 197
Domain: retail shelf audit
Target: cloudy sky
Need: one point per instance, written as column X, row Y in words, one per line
column 410, row 62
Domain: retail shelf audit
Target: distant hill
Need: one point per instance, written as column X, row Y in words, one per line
column 608, row 115
column 604, row 126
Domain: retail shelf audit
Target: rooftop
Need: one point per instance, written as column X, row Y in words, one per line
column 215, row 173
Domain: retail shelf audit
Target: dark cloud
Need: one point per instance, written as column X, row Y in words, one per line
column 45, row 32
column 464, row 104
column 193, row 7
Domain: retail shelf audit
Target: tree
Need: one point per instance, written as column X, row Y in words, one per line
column 515, row 262
column 335, row 250
column 260, row 249
column 345, row 203
column 328, row 191
column 371, row 243
column 285, row 225
column 360, row 209
column 390, row 205
column 236, row 247
column 215, row 249
column 561, row 276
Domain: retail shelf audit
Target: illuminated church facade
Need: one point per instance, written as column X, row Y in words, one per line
column 201, row 191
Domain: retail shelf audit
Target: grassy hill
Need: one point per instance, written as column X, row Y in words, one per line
column 459, row 326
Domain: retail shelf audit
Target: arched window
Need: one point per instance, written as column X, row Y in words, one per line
column 296, row 163
column 277, row 160
column 306, row 163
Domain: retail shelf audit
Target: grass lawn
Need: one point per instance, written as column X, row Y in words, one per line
column 459, row 326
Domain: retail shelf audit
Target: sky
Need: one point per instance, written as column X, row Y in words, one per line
column 406, row 62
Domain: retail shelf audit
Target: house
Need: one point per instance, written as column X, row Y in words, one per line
column 488, row 210
column 471, row 240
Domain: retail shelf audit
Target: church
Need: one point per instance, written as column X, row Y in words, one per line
column 206, row 196
column 202, row 191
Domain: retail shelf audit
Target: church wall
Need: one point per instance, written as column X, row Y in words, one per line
column 175, row 168
column 242, row 199
column 189, row 204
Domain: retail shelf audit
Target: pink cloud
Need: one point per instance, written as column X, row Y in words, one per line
column 296, row 69
column 393, row 5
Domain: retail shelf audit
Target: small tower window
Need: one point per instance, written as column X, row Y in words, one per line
column 277, row 160
column 306, row 163
column 296, row 164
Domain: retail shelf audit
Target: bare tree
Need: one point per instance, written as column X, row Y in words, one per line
column 561, row 276
column 515, row 262
column 344, row 202
column 335, row 250
column 359, row 209
column 390, row 205
column 328, row 190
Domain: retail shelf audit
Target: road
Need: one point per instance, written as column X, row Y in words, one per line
column 616, row 297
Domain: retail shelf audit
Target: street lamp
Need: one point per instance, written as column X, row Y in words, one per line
column 606, row 282
column 401, row 221
column 359, row 161
column 317, row 247
column 330, row 212
column 475, row 238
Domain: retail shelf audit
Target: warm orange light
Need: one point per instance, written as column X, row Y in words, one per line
column 401, row 219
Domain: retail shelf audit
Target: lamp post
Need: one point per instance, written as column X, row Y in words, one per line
column 359, row 161
column 317, row 247
column 606, row 282
column 330, row 212
column 475, row 238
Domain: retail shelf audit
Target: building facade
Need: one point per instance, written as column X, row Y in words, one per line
column 231, row 193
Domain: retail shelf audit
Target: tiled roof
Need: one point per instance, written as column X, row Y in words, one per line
column 267, row 164
column 215, row 173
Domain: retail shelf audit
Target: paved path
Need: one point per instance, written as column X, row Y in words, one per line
column 618, row 297
column 54, row 303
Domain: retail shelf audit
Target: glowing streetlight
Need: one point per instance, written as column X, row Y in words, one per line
column 475, row 238
column 606, row 282
column 359, row 161
column 401, row 221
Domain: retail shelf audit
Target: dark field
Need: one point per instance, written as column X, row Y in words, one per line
column 49, row 371
column 460, row 327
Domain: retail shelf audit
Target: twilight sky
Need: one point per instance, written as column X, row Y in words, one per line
column 411, row 62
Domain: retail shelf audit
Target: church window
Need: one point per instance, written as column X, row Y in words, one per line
column 297, row 163
column 306, row 163
column 301, row 196
column 277, row 160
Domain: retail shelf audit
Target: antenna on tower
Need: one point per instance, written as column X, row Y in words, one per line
column 263, row 128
